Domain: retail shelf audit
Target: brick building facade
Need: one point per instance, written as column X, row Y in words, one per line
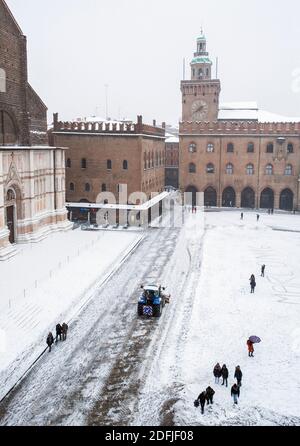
column 31, row 173
column 104, row 155
column 238, row 155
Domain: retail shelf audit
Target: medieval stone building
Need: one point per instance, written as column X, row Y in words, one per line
column 32, row 174
column 238, row 155
column 102, row 156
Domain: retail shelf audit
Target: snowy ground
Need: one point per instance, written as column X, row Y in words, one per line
column 47, row 283
column 122, row 370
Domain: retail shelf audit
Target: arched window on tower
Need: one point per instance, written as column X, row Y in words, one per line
column 250, row 148
column 210, row 168
column 290, row 148
column 192, row 147
column 269, row 169
column 229, row 169
column 125, row 165
column 288, row 170
column 250, row 169
column 192, row 168
column 83, row 163
column 69, row 163
column 72, row 187
column 230, row 148
column 270, row 148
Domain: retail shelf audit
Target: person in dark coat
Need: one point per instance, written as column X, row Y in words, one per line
column 263, row 268
column 225, row 374
column 235, row 393
column 238, row 375
column 50, row 341
column 202, row 398
column 65, row 329
column 252, row 283
column 58, row 332
column 210, row 395
column 250, row 348
column 257, row 217
column 242, row 216
column 217, row 373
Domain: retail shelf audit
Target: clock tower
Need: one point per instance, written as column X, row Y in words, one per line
column 200, row 95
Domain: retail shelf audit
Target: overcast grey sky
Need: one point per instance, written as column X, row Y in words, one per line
column 76, row 47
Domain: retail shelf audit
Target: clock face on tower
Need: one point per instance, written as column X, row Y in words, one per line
column 199, row 110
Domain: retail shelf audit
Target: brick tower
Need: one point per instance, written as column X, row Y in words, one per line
column 200, row 95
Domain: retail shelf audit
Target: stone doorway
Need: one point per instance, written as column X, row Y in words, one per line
column 10, row 221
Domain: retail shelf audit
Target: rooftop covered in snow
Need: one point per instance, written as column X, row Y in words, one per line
column 240, row 111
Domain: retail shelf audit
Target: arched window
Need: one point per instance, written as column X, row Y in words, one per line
column 8, row 131
column 87, row 187
column 109, row 164
column 288, row 170
column 192, row 147
column 210, row 147
column 2, row 81
column 210, row 168
column 69, row 163
column 83, row 163
column 192, row 168
column 290, row 148
column 125, row 165
column 270, row 148
column 72, row 187
column 250, row 148
column 269, row 169
column 229, row 169
column 103, row 187
column 230, row 148
column 250, row 169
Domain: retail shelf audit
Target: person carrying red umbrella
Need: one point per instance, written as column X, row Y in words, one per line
column 250, row 343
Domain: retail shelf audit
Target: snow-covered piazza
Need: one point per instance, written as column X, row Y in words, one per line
column 119, row 369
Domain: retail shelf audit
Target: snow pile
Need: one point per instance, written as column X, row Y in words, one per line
column 225, row 314
column 55, row 277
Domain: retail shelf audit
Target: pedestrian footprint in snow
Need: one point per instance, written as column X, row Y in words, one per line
column 58, row 332
column 50, row 341
column 225, row 374
column 202, row 398
column 65, row 329
column 210, row 395
column 235, row 393
column 252, row 283
column 250, row 348
column 217, row 373
column 238, row 375
column 263, row 268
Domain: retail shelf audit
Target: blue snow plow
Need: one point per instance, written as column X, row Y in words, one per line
column 152, row 301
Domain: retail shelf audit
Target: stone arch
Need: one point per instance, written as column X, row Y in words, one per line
column 287, row 200
column 191, row 190
column 210, row 197
column 229, row 197
column 267, row 199
column 13, row 209
column 248, row 198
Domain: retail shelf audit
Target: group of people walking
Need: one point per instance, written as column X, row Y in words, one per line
column 220, row 372
column 61, row 333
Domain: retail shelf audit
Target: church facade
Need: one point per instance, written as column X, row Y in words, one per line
column 32, row 174
column 237, row 154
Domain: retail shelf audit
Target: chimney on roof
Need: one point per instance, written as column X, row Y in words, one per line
column 164, row 125
column 154, row 122
column 140, row 119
